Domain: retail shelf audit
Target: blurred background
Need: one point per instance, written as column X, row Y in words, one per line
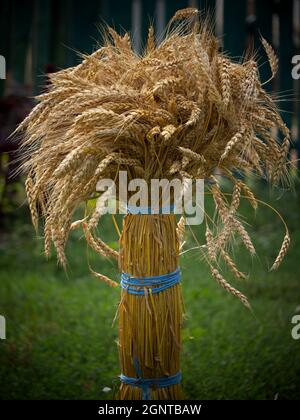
column 60, row 342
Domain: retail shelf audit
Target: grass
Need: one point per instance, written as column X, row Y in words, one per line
column 60, row 340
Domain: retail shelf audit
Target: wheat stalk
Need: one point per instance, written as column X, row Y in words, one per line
column 273, row 60
column 283, row 250
column 182, row 109
column 223, row 283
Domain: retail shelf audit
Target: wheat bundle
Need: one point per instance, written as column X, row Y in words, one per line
column 182, row 109
column 150, row 326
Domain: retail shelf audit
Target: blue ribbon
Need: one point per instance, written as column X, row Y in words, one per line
column 146, row 383
column 151, row 210
column 156, row 284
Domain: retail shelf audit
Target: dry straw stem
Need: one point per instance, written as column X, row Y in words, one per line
column 180, row 109
column 150, row 325
column 181, row 231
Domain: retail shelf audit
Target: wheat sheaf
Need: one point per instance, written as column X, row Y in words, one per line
column 181, row 109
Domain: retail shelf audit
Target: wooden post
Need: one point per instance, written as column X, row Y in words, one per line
column 286, row 51
column 21, row 26
column 40, row 41
column 235, row 27
column 264, row 15
column 84, row 26
column 117, row 14
column 60, row 54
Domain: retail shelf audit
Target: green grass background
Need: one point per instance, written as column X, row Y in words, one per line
column 60, row 340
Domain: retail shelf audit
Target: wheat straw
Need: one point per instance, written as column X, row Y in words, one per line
column 181, row 109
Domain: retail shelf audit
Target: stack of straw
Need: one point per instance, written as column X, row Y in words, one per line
column 150, row 325
column 181, row 110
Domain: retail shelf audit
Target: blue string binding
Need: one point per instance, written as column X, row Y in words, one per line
column 136, row 285
column 156, row 284
column 146, row 383
column 151, row 210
